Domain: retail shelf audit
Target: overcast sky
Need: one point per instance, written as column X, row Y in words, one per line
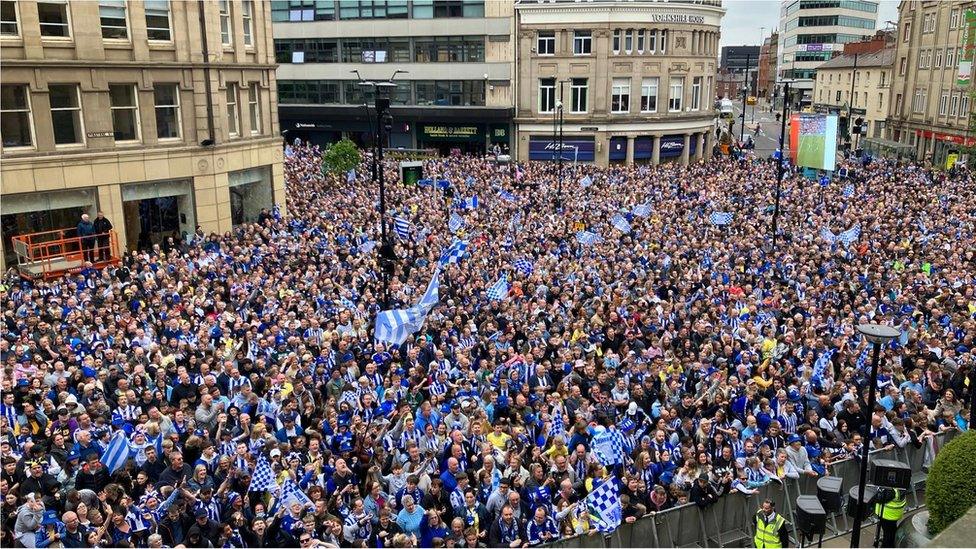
column 743, row 19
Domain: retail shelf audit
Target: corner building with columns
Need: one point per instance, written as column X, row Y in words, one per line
column 631, row 81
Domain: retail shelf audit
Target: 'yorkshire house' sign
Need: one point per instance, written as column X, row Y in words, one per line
column 677, row 18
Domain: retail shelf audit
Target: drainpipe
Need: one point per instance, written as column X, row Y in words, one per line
column 201, row 7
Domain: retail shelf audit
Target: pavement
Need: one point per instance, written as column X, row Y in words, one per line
column 767, row 140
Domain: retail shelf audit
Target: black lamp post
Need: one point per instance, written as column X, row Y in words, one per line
column 877, row 335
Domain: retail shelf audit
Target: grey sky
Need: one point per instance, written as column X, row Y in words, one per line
column 740, row 26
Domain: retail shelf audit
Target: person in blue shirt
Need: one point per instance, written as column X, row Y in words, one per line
column 432, row 527
column 541, row 529
column 410, row 516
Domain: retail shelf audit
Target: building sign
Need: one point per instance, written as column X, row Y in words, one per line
column 678, row 18
column 814, row 47
column 100, row 134
column 582, row 149
column 672, row 145
column 968, row 50
column 450, row 133
column 957, row 139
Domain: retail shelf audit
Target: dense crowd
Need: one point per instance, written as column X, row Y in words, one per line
column 723, row 362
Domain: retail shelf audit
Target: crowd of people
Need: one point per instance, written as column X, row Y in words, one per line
column 722, row 361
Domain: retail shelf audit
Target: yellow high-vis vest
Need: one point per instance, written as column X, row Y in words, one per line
column 767, row 533
column 894, row 509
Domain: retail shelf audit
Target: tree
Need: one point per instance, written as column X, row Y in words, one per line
column 341, row 157
column 951, row 485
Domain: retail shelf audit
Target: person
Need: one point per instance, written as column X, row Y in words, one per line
column 86, row 231
column 771, row 529
column 889, row 507
column 102, row 227
column 29, row 517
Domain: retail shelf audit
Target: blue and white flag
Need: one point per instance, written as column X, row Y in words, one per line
column 499, row 290
column 827, row 235
column 395, row 326
column 642, row 210
column 558, row 428
column 608, row 445
column 849, row 190
column 432, row 294
column 620, row 223
column 588, row 238
column 117, row 452
column 453, row 253
column 849, row 236
column 820, row 366
column 455, row 222
column 263, row 478
column 402, row 227
column 367, row 246
column 720, row 218
column 862, row 360
column 523, row 266
column 603, row 504
column 351, row 176
column 586, row 181
column 291, row 493
column 505, row 195
column 469, row 203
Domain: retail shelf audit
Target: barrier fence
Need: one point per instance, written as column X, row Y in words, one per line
column 728, row 522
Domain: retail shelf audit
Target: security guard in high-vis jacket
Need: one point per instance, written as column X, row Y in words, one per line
column 889, row 505
column 771, row 528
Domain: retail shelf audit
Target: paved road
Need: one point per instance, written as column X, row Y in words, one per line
column 767, row 140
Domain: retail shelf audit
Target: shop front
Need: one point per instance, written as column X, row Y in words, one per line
column 45, row 211
column 251, row 191
column 673, row 146
column 618, row 149
column 157, row 210
column 576, row 149
column 643, row 149
column 450, row 139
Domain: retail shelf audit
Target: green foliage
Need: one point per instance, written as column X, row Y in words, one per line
column 341, row 157
column 951, row 486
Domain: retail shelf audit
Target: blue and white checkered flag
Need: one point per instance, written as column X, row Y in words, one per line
column 291, row 493
column 505, row 195
column 608, row 445
column 395, row 326
column 720, row 218
column 820, row 366
column 402, row 227
column 351, row 176
column 453, row 253
column 827, row 235
column 862, row 360
column 367, row 246
column 432, row 294
column 588, row 238
column 523, row 266
column 848, row 190
column 516, row 223
column 499, row 290
column 849, row 236
column 117, row 452
column 455, row 223
column 642, row 210
column 468, row 203
column 620, row 223
column 586, row 181
column 348, row 304
column 263, row 478
column 603, row 503
column 706, row 261
column 558, row 428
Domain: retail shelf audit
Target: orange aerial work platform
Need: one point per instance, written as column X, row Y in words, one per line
column 51, row 254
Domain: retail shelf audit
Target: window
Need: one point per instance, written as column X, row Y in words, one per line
column 907, row 33
column 938, row 58
column 125, row 111
column 582, row 42
column 157, row 20
column 918, row 105
column 15, row 116
column 944, row 104
column 881, row 100
column 641, row 38
column 379, row 9
column 226, row 29
column 696, row 84
column 247, row 13
column 837, row 98
column 652, row 41
column 954, row 105
column 616, row 40
column 53, row 17
column 950, row 58
column 953, row 19
column 167, row 105
column 310, row 50
column 964, row 104
column 308, row 92
column 8, row 18
column 547, row 94
column 440, row 49
column 254, row 108
column 629, row 41
column 66, row 114
column 675, row 94
column 854, row 103
column 113, row 18
column 620, row 97
column 451, row 92
column 664, row 40
column 309, row 10
column 902, row 66
column 883, row 78
column 546, row 43
column 233, row 116
column 649, row 87
column 578, row 89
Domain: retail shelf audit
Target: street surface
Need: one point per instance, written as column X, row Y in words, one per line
column 767, row 140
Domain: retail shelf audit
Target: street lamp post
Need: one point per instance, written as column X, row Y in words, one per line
column 745, row 90
column 779, row 168
column 877, row 335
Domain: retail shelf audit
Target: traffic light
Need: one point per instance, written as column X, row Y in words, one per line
column 858, row 126
column 843, row 125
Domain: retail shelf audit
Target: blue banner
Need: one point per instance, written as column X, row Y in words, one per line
column 545, row 148
column 672, row 145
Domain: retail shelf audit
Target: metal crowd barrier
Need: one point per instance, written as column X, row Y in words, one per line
column 728, row 522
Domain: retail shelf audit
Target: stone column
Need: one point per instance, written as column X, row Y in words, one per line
column 700, row 146
column 685, row 149
column 630, row 150
column 656, row 150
